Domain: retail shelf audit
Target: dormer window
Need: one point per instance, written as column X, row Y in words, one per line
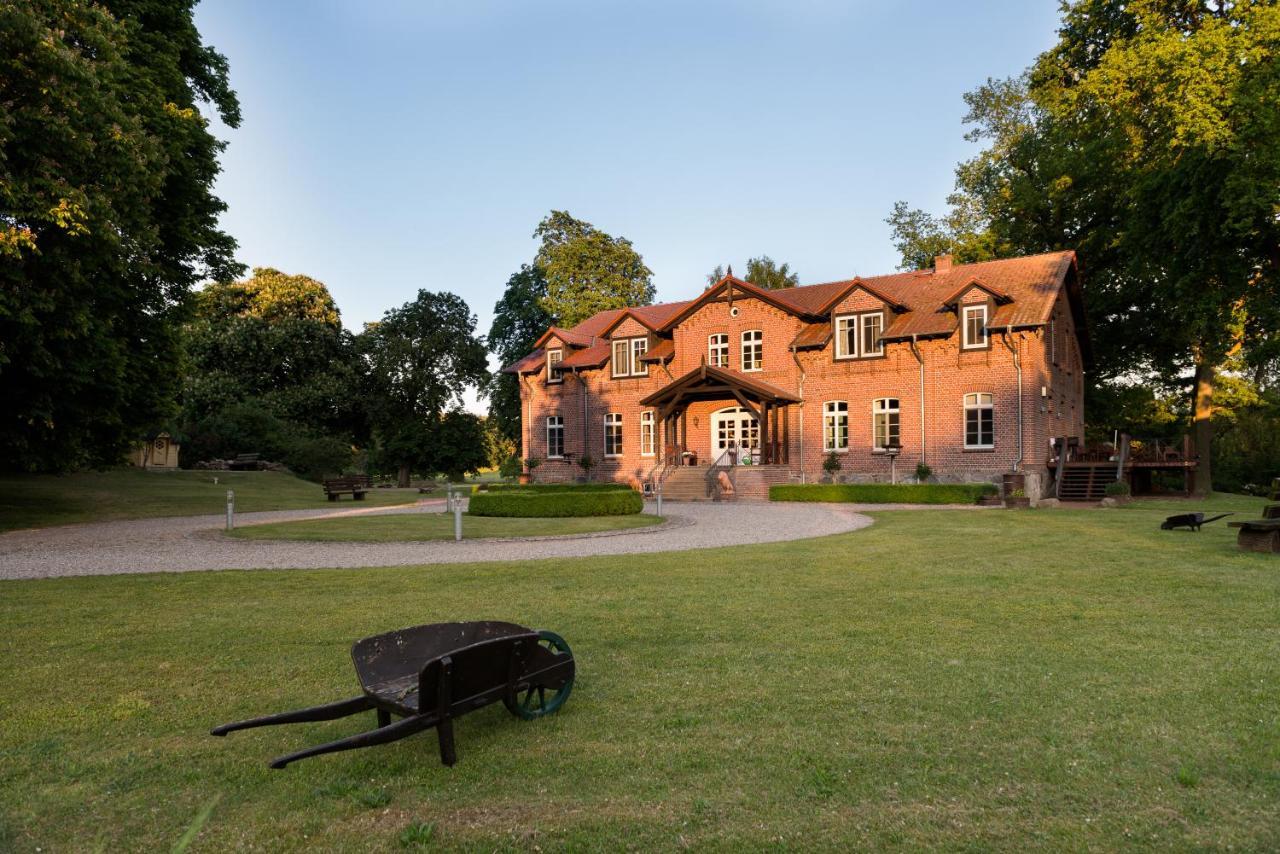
column 858, row 335
column 626, row 357
column 973, row 327
column 554, row 358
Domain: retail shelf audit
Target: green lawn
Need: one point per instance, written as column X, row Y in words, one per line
column 37, row 501
column 1058, row 679
column 435, row 526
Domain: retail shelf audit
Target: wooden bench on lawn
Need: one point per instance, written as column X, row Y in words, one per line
column 1259, row 535
column 246, row 462
column 355, row 485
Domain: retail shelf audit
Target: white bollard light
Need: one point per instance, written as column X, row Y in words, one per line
column 231, row 509
column 457, row 520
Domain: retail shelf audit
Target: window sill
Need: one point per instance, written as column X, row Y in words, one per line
column 752, row 370
column 980, row 450
column 613, row 456
column 835, row 450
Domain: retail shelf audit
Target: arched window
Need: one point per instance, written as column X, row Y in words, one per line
column 979, row 422
column 835, row 426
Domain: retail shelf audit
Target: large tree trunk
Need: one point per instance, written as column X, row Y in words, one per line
column 403, row 480
column 1202, row 420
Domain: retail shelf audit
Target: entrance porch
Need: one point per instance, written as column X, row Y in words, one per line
column 752, row 424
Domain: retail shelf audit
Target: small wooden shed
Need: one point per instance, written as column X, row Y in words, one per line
column 161, row 452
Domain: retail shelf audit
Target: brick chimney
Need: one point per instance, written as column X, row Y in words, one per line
column 942, row 264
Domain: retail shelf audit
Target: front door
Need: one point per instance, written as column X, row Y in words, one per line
column 734, row 428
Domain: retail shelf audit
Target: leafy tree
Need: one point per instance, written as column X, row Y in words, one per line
column 276, row 341
column 498, row 447
column 1145, row 139
column 107, row 219
column 588, row 270
column 763, row 272
column 420, row 358
column 460, row 446
column 519, row 319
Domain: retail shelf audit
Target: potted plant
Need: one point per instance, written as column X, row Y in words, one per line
column 1017, row 499
column 923, row 473
column 587, row 463
column 530, row 463
column 831, row 464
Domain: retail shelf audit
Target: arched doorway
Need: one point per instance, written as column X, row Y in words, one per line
column 734, row 427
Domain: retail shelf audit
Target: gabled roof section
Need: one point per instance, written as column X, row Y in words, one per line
column 588, row 357
column 1000, row 296
column 833, row 296
column 714, row 380
column 731, row 285
column 530, row 364
column 660, row 352
column 814, row 335
column 568, row 336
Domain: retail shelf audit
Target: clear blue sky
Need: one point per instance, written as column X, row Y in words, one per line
column 391, row 146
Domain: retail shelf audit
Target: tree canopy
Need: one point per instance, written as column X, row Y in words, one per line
column 763, row 272
column 519, row 318
column 587, row 270
column 107, row 219
column 1145, row 139
column 420, row 359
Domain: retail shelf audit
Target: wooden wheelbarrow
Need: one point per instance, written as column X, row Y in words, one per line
column 429, row 675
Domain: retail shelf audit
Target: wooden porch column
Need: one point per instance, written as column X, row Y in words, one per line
column 786, row 434
column 764, row 433
column 684, row 429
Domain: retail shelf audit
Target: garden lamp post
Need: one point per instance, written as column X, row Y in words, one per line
column 892, row 451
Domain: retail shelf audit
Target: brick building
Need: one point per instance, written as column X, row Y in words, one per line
column 972, row 369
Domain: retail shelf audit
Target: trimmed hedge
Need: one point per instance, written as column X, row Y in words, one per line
column 544, row 504
column 883, row 493
column 554, row 487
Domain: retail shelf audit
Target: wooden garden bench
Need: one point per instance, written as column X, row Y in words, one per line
column 246, row 462
column 355, row 485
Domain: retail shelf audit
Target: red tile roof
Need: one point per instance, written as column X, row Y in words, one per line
column 530, row 364
column 812, row 335
column 1030, row 285
column 589, row 357
column 663, row 350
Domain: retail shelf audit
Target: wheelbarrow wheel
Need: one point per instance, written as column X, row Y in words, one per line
column 538, row 700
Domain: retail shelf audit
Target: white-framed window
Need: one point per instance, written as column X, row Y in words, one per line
column 872, row 329
column 884, row 423
column 753, row 350
column 979, row 421
column 554, row 358
column 646, row 433
column 858, row 335
column 639, row 346
column 555, row 437
column 626, row 353
column 974, row 327
column 613, row 434
column 718, row 350
column 835, row 426
column 620, row 365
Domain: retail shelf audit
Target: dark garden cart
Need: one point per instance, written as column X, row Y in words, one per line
column 429, row 675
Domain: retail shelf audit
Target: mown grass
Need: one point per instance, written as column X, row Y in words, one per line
column 435, row 526
column 1057, row 679
column 38, row 501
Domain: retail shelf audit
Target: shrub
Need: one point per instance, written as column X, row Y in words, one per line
column 554, row 487
column 554, row 503
column 532, row 463
column 511, row 467
column 587, row 462
column 1116, row 488
column 923, row 472
column 832, row 463
column 883, row 493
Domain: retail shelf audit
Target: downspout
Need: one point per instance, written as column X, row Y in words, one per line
column 800, row 428
column 915, row 351
column 1017, row 364
column 528, row 422
column 582, row 393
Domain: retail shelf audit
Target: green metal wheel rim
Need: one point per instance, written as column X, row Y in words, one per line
column 536, row 701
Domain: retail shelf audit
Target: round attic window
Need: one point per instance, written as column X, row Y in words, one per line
column 733, row 312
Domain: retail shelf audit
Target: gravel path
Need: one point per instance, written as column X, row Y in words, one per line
column 191, row 543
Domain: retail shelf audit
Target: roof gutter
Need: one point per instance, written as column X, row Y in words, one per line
column 1017, row 364
column 795, row 355
column 915, row 351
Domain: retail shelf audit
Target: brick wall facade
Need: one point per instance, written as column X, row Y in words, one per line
column 929, row 380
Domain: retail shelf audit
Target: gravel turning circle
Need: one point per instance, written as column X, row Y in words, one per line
column 185, row 544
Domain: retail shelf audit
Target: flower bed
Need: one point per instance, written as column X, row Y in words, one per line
column 558, row 502
column 883, row 493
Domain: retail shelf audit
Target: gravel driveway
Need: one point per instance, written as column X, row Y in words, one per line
column 191, row 543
